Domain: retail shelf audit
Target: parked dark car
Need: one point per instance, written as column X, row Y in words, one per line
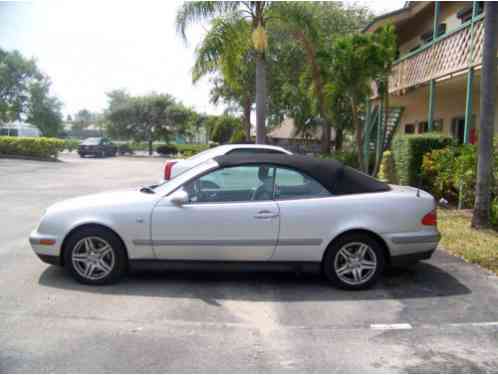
column 97, row 146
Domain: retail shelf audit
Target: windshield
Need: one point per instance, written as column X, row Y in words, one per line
column 91, row 142
column 168, row 186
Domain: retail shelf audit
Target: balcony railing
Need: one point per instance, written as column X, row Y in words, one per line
column 447, row 54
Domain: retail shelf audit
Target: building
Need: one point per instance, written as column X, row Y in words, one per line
column 434, row 83
column 19, row 129
column 287, row 136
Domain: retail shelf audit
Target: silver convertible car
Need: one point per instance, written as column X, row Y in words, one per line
column 274, row 211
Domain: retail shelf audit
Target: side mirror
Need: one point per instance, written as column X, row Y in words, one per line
column 179, row 198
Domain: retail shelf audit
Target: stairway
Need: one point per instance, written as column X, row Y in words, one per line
column 393, row 120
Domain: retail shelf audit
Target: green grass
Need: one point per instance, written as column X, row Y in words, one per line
column 458, row 238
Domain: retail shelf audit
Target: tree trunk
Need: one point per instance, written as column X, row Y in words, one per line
column 385, row 118
column 247, row 118
column 339, row 138
column 325, row 145
column 318, row 88
column 481, row 217
column 359, row 135
column 260, row 98
column 150, row 146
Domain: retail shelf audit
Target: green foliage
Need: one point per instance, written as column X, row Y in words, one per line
column 387, row 171
column 71, row 144
column 16, row 75
column 167, row 150
column 31, row 146
column 223, row 128
column 44, row 111
column 408, row 153
column 238, row 136
column 494, row 212
column 349, row 158
column 444, row 170
column 146, row 118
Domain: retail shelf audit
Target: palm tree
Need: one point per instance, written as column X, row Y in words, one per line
column 256, row 13
column 481, row 216
column 226, row 52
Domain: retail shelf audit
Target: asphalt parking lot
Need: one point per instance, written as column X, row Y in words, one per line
column 439, row 316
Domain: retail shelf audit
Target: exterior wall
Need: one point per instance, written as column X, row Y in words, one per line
column 449, row 104
column 410, row 32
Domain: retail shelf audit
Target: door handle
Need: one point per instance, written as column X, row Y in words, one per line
column 265, row 214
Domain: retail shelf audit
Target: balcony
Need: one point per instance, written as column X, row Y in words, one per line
column 446, row 55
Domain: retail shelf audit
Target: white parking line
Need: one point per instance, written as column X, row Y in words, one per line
column 475, row 324
column 393, row 326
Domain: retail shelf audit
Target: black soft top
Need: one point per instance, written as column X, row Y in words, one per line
column 337, row 178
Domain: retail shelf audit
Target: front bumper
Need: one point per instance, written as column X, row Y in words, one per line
column 46, row 247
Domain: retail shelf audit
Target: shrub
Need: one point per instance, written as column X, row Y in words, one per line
column 445, row 170
column 239, row 136
column 188, row 150
column 408, row 151
column 494, row 212
column 348, row 158
column 40, row 147
column 167, row 150
column 71, row 144
column 124, row 148
column 387, row 171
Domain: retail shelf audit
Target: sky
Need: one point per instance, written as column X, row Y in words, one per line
column 90, row 47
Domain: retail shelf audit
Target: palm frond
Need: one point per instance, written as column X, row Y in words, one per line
column 197, row 11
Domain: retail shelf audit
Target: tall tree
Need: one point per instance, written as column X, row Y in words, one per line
column 83, row 118
column 145, row 118
column 481, row 216
column 226, row 52
column 257, row 14
column 314, row 26
column 44, row 110
column 16, row 75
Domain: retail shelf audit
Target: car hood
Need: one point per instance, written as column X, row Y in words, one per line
column 103, row 200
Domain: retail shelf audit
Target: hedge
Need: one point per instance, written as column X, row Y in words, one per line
column 444, row 171
column 167, row 150
column 408, row 152
column 387, row 170
column 40, row 147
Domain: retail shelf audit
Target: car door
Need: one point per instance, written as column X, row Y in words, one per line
column 305, row 209
column 229, row 216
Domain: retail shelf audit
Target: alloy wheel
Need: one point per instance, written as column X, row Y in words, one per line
column 355, row 263
column 93, row 258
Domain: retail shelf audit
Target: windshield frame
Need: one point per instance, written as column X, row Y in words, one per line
column 167, row 187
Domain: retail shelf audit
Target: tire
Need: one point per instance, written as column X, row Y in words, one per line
column 82, row 155
column 97, row 267
column 354, row 272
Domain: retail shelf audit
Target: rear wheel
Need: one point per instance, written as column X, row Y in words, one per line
column 355, row 261
column 95, row 256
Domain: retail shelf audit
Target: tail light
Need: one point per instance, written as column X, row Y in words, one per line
column 430, row 218
column 167, row 169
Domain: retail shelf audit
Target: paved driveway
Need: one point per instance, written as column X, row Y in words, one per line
column 438, row 316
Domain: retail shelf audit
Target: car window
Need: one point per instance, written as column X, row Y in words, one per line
column 91, row 142
column 245, row 151
column 233, row 184
column 291, row 184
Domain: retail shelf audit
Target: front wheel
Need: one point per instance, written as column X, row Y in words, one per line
column 95, row 256
column 354, row 261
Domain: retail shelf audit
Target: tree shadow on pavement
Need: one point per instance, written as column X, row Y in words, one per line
column 422, row 280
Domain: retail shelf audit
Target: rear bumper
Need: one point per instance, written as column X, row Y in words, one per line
column 412, row 245
column 403, row 260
